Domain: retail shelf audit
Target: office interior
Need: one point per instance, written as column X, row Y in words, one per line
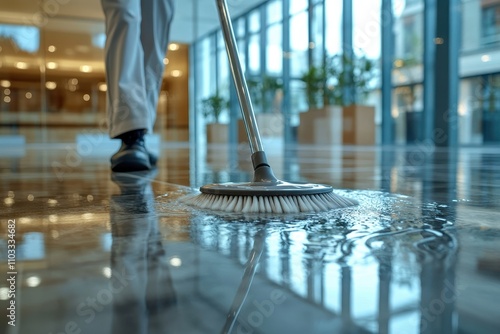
column 405, row 120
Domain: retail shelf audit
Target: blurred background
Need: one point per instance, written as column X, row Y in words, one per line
column 53, row 82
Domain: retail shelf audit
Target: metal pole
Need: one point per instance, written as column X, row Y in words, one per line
column 239, row 79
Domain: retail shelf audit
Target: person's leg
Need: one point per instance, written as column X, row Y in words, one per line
column 155, row 31
column 124, row 58
column 128, row 115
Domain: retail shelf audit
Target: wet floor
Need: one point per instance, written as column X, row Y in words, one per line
column 106, row 253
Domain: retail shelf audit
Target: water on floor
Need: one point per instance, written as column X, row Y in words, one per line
column 107, row 253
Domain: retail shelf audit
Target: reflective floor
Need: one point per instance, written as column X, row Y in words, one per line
column 103, row 253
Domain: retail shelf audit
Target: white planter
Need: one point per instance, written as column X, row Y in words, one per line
column 217, row 133
column 321, row 126
column 358, row 125
column 336, row 125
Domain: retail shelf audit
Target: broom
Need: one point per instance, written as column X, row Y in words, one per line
column 265, row 194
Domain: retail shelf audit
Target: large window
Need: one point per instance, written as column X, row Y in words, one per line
column 491, row 22
column 333, row 27
column 299, row 43
column 274, row 47
column 254, row 43
column 277, row 42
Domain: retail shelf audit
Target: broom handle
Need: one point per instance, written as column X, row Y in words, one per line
column 239, row 79
column 246, row 281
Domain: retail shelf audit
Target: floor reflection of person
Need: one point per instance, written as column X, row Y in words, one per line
column 147, row 303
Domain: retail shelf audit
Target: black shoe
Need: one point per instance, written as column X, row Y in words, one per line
column 153, row 159
column 132, row 155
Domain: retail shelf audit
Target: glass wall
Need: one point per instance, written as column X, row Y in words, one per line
column 283, row 39
column 479, row 104
column 52, row 76
column 408, row 76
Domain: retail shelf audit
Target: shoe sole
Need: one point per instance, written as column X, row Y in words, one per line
column 130, row 166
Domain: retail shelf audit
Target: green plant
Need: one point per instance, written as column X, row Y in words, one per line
column 214, row 106
column 328, row 83
column 263, row 91
column 351, row 75
column 315, row 80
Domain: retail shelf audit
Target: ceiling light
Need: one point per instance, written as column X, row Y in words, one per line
column 86, row 68
column 7, row 99
column 6, row 91
column 5, row 83
column 86, row 97
column 28, row 95
column 51, row 48
column 173, row 47
column 51, row 85
column 21, row 65
column 165, row 61
column 33, row 281
column 485, row 58
column 175, row 261
column 176, row 73
column 52, row 65
column 103, row 87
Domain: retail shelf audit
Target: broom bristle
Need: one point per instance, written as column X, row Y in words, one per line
column 270, row 204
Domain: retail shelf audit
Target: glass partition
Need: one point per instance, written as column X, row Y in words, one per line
column 282, row 39
column 52, row 75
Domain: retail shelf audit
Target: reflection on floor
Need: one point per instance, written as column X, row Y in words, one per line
column 102, row 253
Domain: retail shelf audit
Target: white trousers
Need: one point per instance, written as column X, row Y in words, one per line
column 137, row 36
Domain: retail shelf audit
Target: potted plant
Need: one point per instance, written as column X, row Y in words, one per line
column 212, row 108
column 351, row 78
column 315, row 80
column 320, row 124
column 333, row 92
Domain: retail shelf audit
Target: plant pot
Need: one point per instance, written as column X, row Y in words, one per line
column 358, row 125
column 321, row 126
column 217, row 133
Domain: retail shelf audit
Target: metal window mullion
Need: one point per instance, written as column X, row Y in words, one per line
column 286, row 73
column 387, row 41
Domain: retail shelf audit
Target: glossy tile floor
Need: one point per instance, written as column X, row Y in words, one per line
column 103, row 253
